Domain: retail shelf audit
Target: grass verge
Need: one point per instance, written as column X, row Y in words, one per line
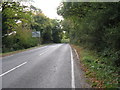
column 99, row 74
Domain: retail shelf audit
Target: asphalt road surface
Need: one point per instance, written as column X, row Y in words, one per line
column 51, row 66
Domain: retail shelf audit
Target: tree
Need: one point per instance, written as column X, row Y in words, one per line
column 56, row 31
column 12, row 14
column 42, row 24
column 94, row 25
column 16, row 19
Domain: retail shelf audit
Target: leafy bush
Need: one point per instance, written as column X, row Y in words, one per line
column 100, row 72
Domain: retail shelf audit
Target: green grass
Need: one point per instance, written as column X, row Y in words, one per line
column 98, row 70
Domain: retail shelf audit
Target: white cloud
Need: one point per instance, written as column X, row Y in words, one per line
column 48, row 7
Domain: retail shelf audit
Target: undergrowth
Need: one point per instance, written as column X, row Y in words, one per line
column 100, row 73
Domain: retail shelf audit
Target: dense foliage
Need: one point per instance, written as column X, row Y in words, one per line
column 18, row 23
column 95, row 26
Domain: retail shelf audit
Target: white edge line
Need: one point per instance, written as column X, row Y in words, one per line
column 72, row 70
column 12, row 69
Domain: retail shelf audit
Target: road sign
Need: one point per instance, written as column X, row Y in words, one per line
column 36, row 34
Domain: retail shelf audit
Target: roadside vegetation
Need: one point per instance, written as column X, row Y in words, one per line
column 19, row 21
column 99, row 72
column 95, row 29
column 17, row 51
column 92, row 28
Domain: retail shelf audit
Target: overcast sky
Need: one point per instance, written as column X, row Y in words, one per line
column 48, row 7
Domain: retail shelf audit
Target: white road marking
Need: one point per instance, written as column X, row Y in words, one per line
column 76, row 53
column 43, row 47
column 44, row 52
column 12, row 69
column 55, row 45
column 72, row 70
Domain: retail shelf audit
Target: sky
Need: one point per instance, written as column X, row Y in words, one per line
column 48, row 7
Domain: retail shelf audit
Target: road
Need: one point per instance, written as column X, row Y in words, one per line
column 51, row 66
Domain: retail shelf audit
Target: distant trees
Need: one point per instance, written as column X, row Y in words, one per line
column 56, row 31
column 18, row 22
column 42, row 24
column 50, row 28
column 95, row 26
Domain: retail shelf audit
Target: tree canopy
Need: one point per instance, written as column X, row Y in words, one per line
column 94, row 25
column 19, row 21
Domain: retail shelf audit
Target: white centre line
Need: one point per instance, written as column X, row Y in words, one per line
column 12, row 69
column 43, row 52
column 72, row 70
